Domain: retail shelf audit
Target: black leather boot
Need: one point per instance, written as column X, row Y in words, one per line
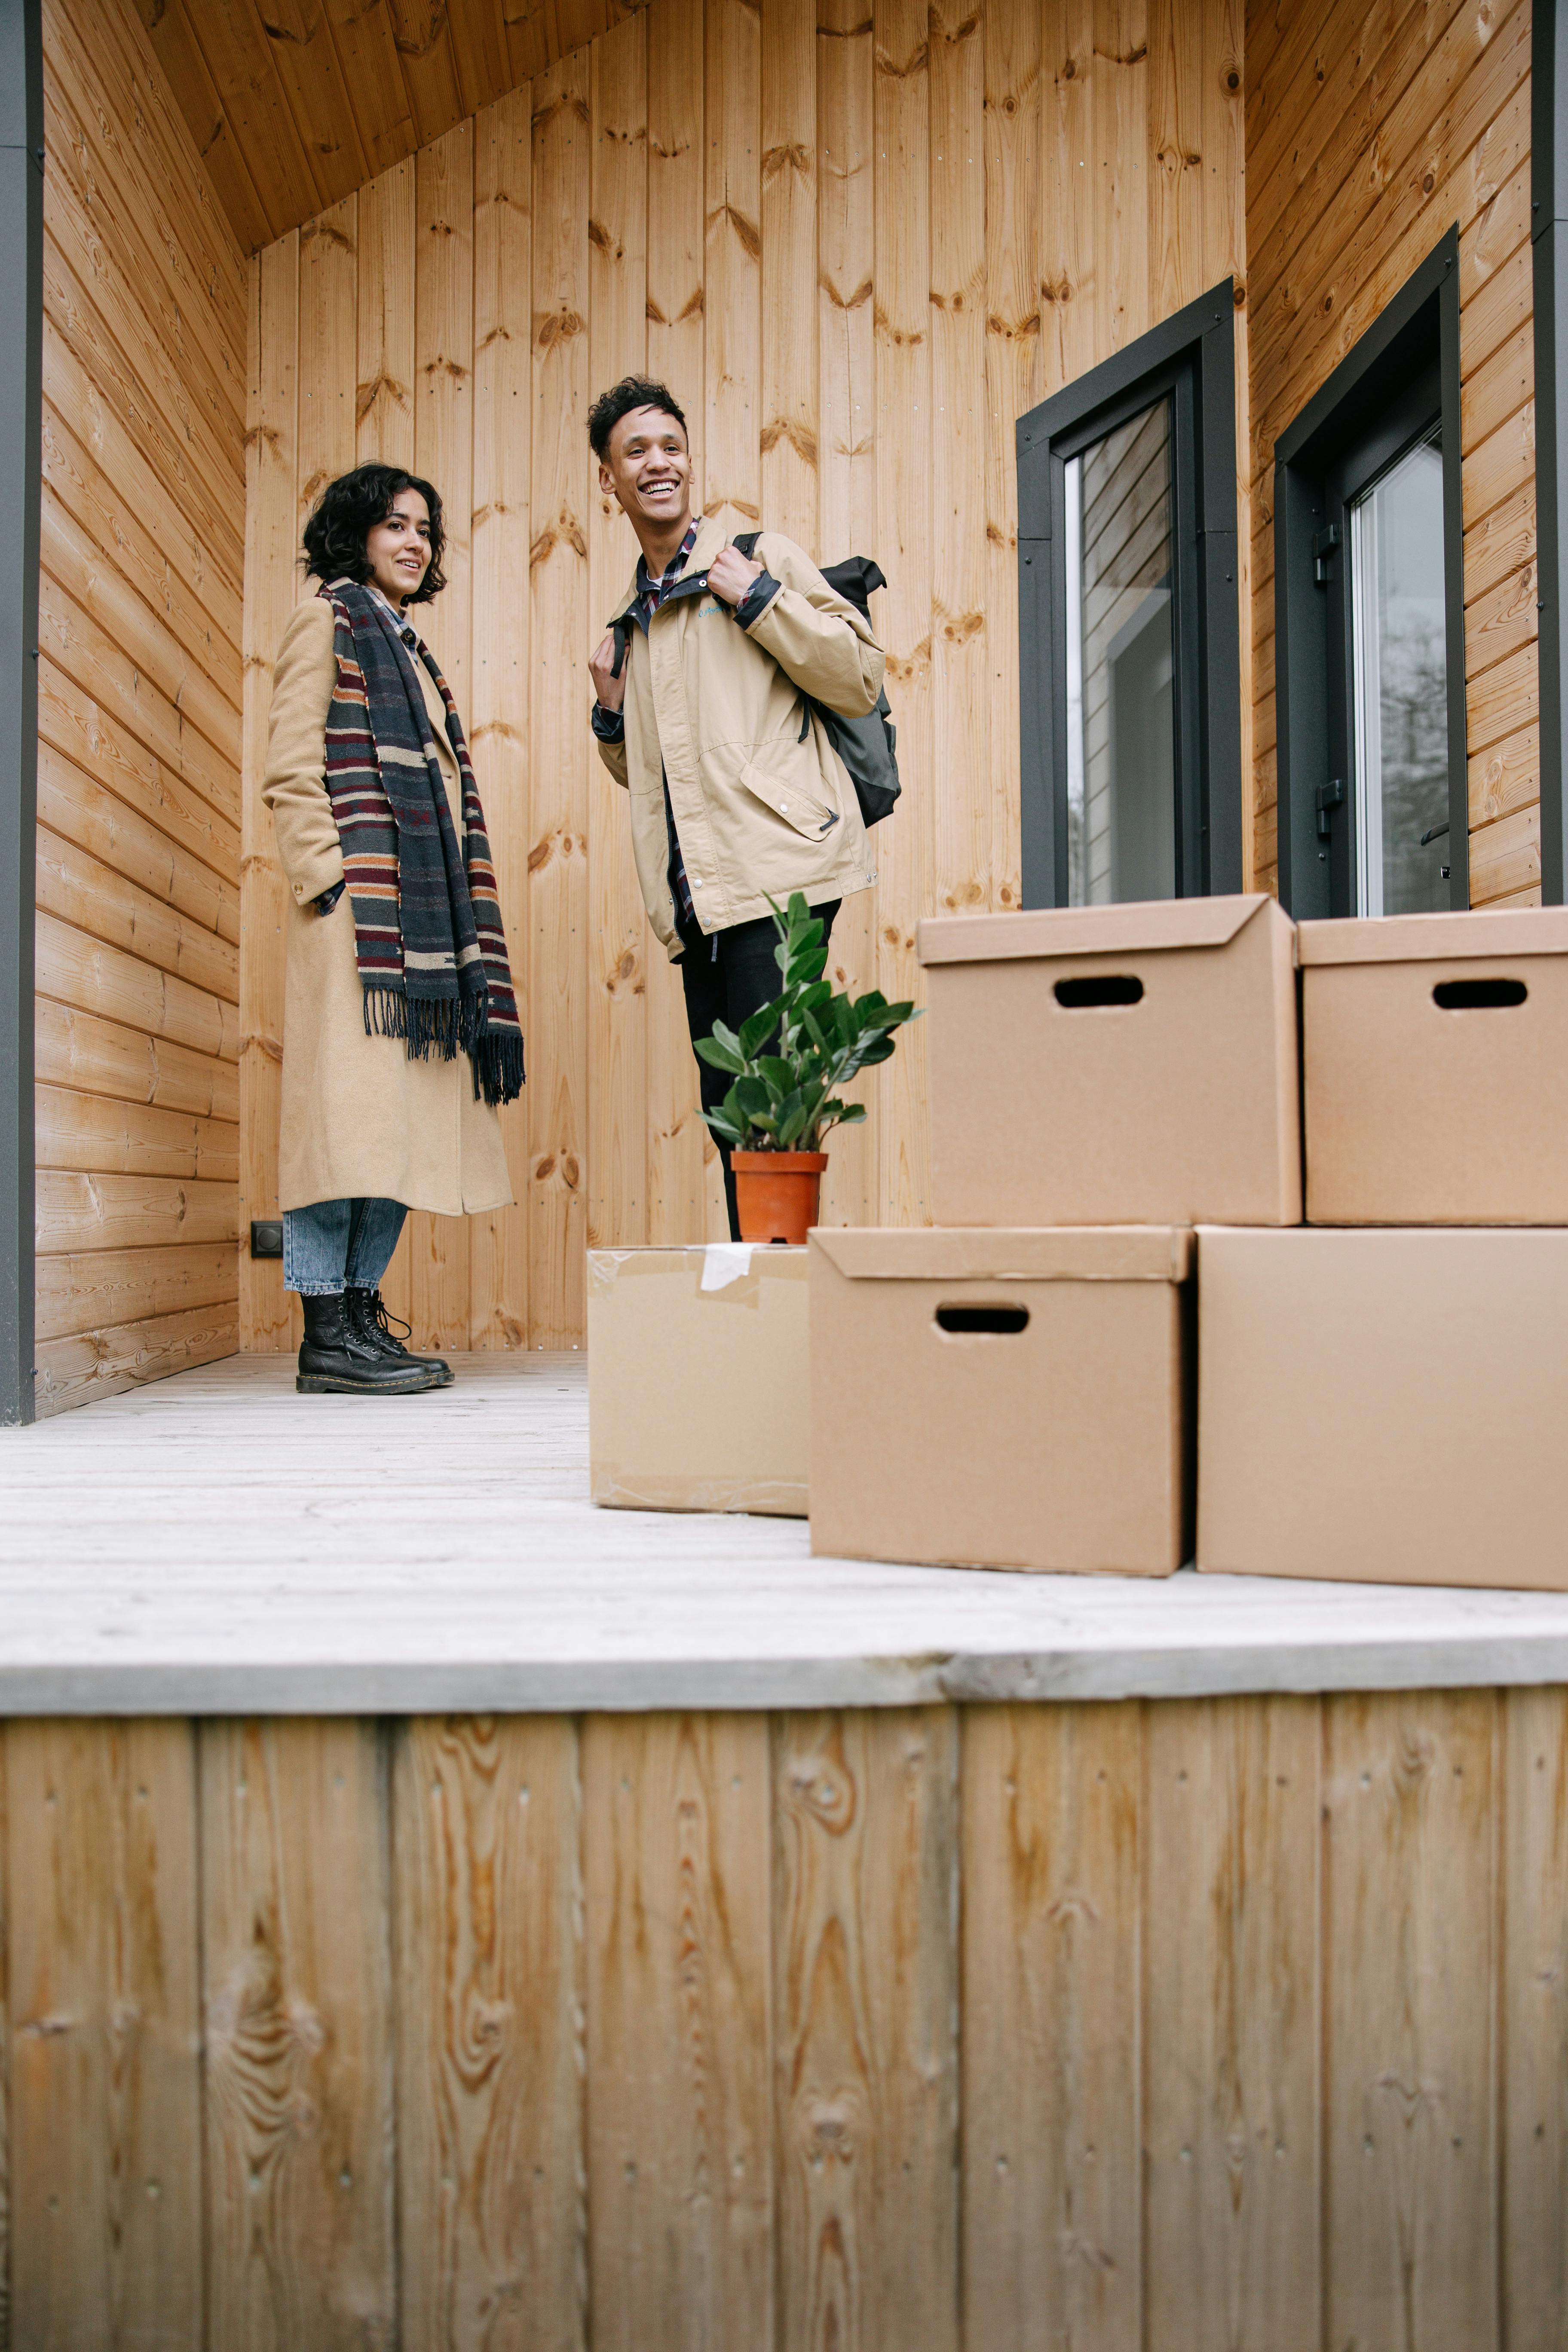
column 335, row 1359
column 369, row 1319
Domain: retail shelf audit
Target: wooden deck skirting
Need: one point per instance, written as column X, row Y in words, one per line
column 1235, row 2018
column 1230, row 2022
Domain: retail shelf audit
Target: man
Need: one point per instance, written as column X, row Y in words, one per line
column 737, row 796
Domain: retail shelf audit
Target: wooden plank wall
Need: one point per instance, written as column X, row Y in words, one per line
column 858, row 248
column 1236, row 2021
column 296, row 109
column 138, row 719
column 1371, row 129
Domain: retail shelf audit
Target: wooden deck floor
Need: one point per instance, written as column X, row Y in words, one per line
column 218, row 1544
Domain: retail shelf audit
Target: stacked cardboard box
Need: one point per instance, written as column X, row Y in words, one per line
column 1384, row 1392
column 1013, row 1388
column 1382, row 1389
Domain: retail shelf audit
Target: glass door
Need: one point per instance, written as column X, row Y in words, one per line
column 1122, row 740
column 1382, row 816
column 1400, row 688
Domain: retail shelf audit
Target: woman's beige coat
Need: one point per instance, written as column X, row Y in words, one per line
column 358, row 1119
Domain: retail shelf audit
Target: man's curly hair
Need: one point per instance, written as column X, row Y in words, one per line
column 347, row 512
column 632, row 392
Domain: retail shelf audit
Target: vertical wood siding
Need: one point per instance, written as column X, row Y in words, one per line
column 1371, row 129
column 1159, row 2025
column 140, row 725
column 857, row 246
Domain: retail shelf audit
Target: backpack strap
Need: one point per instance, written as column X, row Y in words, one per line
column 746, row 545
column 621, row 630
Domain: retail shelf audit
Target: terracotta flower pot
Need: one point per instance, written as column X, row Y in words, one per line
column 776, row 1193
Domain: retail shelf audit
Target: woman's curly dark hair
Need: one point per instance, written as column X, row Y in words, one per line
column 347, row 512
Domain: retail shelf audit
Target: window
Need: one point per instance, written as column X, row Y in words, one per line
column 1131, row 700
column 1370, row 622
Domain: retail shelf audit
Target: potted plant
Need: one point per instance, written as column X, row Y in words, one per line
column 788, row 1062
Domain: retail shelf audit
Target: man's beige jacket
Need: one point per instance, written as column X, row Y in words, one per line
column 763, row 803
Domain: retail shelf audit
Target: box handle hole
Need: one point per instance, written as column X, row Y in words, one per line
column 1099, row 988
column 1478, row 995
column 1000, row 1319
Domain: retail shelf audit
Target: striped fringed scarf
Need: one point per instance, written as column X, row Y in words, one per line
column 427, row 925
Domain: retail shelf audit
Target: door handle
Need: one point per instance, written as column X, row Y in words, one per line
column 1331, row 796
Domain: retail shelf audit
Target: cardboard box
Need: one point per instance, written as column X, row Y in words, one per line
column 1055, row 1441
column 697, row 1372
column 1131, row 1065
column 1387, row 1406
column 1422, row 1108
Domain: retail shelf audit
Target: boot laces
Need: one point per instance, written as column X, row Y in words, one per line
column 377, row 1311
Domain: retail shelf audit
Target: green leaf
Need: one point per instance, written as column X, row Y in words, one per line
column 777, row 1074
column 756, row 1030
column 852, row 1114
column 809, row 965
column 719, row 1055
column 726, row 1129
column 751, row 1096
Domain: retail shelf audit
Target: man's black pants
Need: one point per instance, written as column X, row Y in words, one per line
column 727, row 977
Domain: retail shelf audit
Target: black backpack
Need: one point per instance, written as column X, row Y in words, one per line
column 868, row 746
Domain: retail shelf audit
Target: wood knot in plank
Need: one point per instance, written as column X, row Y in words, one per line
column 848, row 32
column 901, row 338
column 565, row 531
column 328, row 232
column 568, row 102
column 379, row 388
column 410, row 44
column 1012, row 331
column 552, row 327
column 1123, row 57
column 822, row 1785
column 799, row 437
column 789, row 157
column 957, row 628
column 832, row 2128
column 952, row 33
column 862, row 293
column 453, row 371
column 915, row 63
column 747, row 234
column 599, row 234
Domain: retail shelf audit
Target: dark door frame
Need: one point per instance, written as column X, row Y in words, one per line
column 21, row 459
column 1548, row 254
column 1192, row 357
column 1419, row 327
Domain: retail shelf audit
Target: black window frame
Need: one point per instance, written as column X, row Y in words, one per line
column 1191, row 358
column 1368, row 394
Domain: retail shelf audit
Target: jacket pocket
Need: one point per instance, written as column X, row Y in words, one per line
column 809, row 814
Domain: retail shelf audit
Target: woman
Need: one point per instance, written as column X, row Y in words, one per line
column 400, row 1028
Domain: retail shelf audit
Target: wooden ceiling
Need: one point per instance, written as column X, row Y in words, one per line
column 295, row 103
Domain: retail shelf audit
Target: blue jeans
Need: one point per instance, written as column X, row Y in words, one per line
column 334, row 1243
